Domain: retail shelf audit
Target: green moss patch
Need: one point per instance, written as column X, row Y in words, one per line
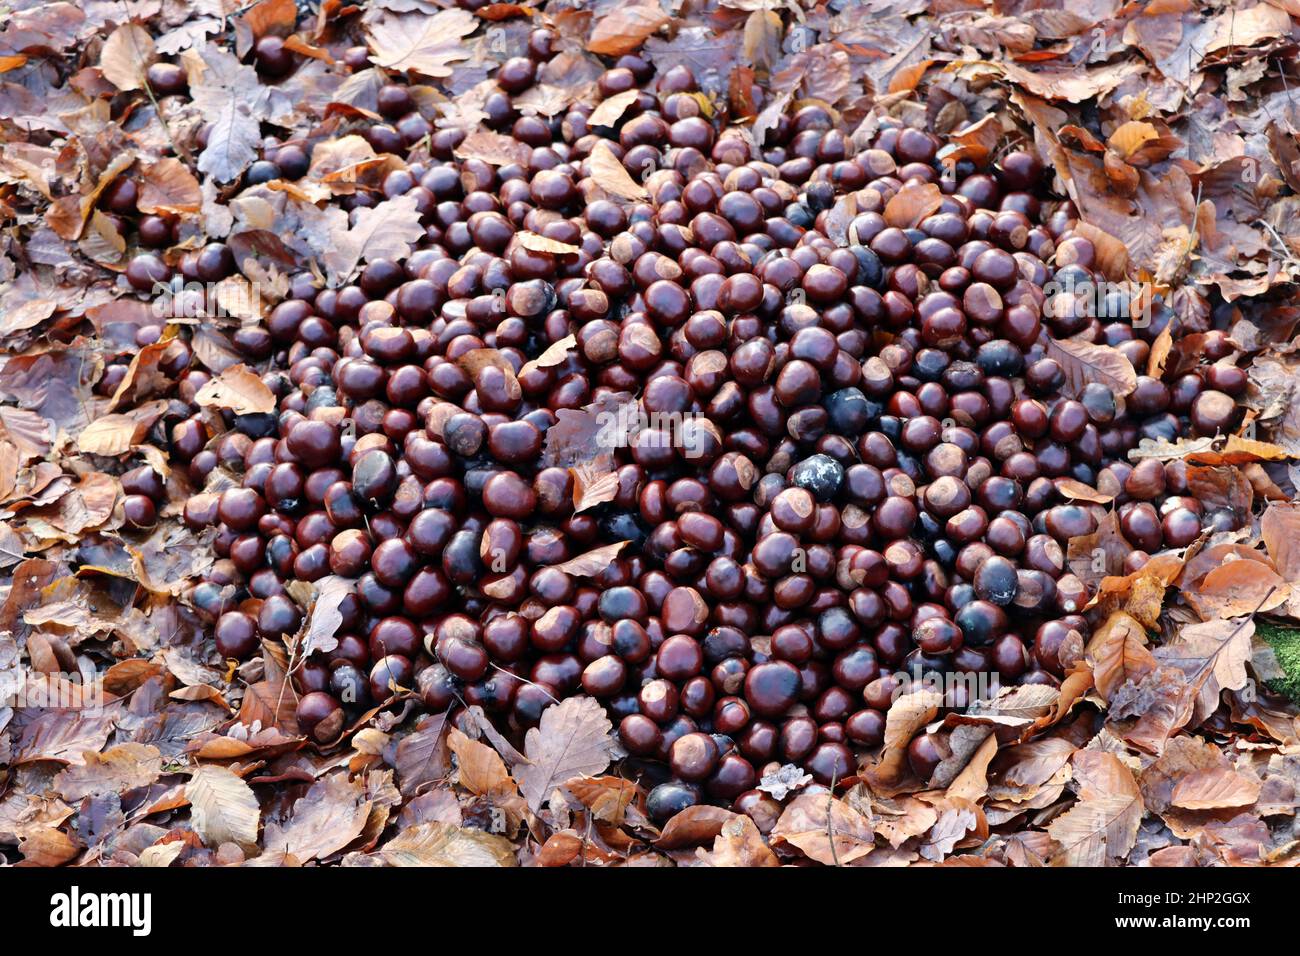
column 1285, row 642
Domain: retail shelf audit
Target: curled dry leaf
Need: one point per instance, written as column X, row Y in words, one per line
column 908, row 714
column 325, row 617
column 610, row 174
column 238, row 389
column 693, row 826
column 1118, row 654
column 557, row 353
column 593, row 562
column 592, row 486
column 911, row 204
column 623, row 29
column 1112, row 255
column 739, row 844
column 783, row 781
column 975, row 142
column 1078, row 491
column 611, row 110
column 481, row 769
column 606, row 797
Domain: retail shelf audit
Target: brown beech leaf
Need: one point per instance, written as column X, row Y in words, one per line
column 1129, row 137
column 606, row 797
column 592, row 486
column 908, row 714
column 441, row 844
column 762, row 40
column 610, row 175
column 1215, row 789
column 1280, row 528
column 1236, row 588
column 1118, row 653
column 1221, row 486
column 693, row 826
column 422, row 756
column 1078, row 491
column 609, row 111
column 168, row 186
column 481, row 768
column 624, row 28
column 972, row 784
column 325, row 617
column 117, row 769
column 1247, row 27
column 425, row 44
column 591, row 563
column 1160, row 350
column 975, row 142
column 1111, row 254
column 557, row 353
column 1103, row 825
column 573, row 738
column 116, row 433
column 493, row 148
column 239, row 389
column 824, row 829
column 325, row 820
column 223, row 807
column 143, row 377
column 911, row 204
column 26, row 430
column 47, row 847
column 270, row 703
column 1084, row 362
column 63, row 736
column 127, row 53
column 1092, row 557
column 897, row 820
column 739, row 844
column 535, row 243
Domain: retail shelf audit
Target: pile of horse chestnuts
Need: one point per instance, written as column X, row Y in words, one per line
column 878, row 436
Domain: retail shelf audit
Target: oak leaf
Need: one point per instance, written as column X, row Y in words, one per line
column 425, row 44
column 386, row 231
column 572, row 739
